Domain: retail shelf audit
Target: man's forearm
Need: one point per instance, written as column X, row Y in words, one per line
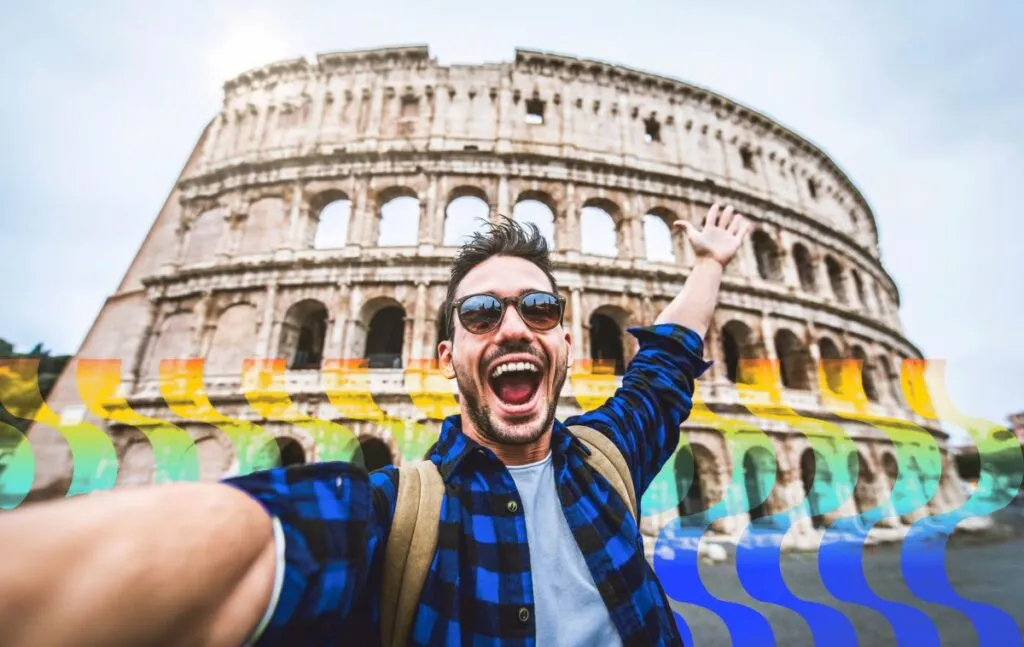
column 695, row 303
column 178, row 564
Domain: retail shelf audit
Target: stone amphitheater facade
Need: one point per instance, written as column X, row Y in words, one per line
column 316, row 218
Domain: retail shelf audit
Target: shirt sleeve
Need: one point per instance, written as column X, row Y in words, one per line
column 643, row 416
column 330, row 527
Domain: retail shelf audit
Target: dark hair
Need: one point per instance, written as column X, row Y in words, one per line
column 503, row 238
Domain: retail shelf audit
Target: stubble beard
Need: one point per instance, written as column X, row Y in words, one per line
column 483, row 419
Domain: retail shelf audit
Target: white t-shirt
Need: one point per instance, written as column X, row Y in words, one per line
column 568, row 607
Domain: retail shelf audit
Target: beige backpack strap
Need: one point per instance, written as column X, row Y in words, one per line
column 410, row 549
column 609, row 462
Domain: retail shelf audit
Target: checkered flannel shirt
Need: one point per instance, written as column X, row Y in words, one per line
column 332, row 522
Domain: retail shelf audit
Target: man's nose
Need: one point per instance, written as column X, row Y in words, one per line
column 512, row 327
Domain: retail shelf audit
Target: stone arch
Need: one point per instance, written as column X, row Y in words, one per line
column 376, row 453
column 863, row 479
column 696, row 472
column 794, row 360
column 831, row 364
column 805, row 269
column 283, row 451
column 383, row 320
column 858, row 286
column 266, row 226
column 607, row 350
column 537, row 208
column 660, row 240
column 767, row 255
column 819, row 488
column 759, row 475
column 333, row 215
column 891, row 378
column 600, row 228
column 867, row 374
column 836, row 279
column 303, row 332
column 466, row 213
column 174, row 339
column 233, row 340
column 204, row 237
column 738, row 342
column 398, row 217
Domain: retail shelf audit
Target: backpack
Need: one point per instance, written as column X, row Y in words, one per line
column 413, row 539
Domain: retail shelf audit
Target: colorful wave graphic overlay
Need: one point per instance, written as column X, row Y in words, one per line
column 830, row 501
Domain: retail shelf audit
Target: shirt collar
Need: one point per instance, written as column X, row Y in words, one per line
column 453, row 446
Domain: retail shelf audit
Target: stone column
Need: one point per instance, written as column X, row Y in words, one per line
column 336, row 333
column 504, row 199
column 768, row 334
column 419, row 321
column 183, row 234
column 431, row 224
column 234, row 227
column 568, row 226
column 638, row 249
column 294, row 225
column 577, row 324
column 202, row 316
column 263, row 339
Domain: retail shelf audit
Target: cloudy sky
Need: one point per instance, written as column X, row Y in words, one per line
column 103, row 101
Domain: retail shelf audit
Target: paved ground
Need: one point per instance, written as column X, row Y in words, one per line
column 988, row 572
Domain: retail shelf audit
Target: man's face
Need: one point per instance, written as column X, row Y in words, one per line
column 515, row 406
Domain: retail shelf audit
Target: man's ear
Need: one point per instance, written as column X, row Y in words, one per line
column 445, row 360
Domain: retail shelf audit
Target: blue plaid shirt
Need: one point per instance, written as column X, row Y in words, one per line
column 335, row 519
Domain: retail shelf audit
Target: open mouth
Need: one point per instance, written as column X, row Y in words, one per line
column 515, row 384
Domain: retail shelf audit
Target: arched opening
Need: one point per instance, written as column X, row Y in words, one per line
column 598, row 234
column 332, row 224
column 766, row 252
column 867, row 374
column 288, row 452
column 533, row 211
column 303, row 332
column 658, row 238
column 804, row 268
column 375, row 453
column 694, row 469
column 737, row 343
column 759, row 471
column 891, row 378
column 858, row 285
column 606, row 344
column 464, row 216
column 818, row 486
column 794, row 361
column 385, row 337
column 835, row 279
column 830, row 362
column 399, row 221
column 863, row 481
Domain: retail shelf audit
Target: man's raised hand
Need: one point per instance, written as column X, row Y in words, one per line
column 722, row 234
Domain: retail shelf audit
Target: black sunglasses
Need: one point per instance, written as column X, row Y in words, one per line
column 482, row 313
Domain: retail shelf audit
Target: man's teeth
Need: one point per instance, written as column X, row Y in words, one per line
column 513, row 366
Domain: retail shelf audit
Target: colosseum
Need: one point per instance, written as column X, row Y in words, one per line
column 315, row 221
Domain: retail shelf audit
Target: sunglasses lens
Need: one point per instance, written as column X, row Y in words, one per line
column 480, row 313
column 541, row 310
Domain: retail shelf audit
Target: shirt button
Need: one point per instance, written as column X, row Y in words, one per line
column 512, row 507
column 524, row 614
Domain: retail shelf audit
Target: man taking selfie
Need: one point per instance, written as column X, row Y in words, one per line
column 520, row 529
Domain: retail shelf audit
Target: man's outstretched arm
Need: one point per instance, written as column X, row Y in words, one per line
column 715, row 247
column 176, row 564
